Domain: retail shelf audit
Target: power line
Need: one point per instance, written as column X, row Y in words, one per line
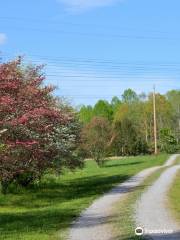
column 96, row 61
column 101, row 77
column 121, row 71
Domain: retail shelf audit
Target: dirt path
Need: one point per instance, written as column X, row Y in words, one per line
column 93, row 223
column 152, row 213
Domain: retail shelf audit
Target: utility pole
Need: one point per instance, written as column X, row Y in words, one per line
column 155, row 121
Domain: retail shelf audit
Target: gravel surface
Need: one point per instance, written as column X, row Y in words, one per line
column 171, row 160
column 94, row 222
column 151, row 212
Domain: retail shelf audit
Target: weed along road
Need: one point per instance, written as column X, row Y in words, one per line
column 95, row 222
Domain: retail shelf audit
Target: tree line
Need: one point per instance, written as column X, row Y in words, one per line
column 125, row 126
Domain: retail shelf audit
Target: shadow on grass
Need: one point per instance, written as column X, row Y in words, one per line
column 121, row 164
column 55, row 193
column 50, row 207
column 44, row 220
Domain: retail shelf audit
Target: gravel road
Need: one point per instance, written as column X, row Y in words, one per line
column 93, row 223
column 151, row 212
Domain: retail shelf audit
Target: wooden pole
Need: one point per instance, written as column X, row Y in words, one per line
column 155, row 121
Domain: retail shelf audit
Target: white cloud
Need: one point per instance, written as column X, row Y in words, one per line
column 3, row 38
column 81, row 5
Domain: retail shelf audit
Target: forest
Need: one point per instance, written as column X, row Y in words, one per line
column 125, row 126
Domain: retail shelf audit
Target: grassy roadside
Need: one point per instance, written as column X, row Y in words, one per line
column 178, row 160
column 46, row 211
column 124, row 225
column 174, row 196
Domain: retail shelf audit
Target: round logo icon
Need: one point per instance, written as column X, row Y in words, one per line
column 139, row 231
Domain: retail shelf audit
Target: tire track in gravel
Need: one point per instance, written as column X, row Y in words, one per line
column 152, row 213
column 94, row 222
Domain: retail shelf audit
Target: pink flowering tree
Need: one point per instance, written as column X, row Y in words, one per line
column 37, row 132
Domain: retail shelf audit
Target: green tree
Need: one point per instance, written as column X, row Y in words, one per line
column 115, row 104
column 173, row 97
column 129, row 96
column 96, row 138
column 168, row 141
column 86, row 114
column 132, row 123
column 103, row 109
column 126, row 139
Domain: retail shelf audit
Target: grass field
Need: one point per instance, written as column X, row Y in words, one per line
column 174, row 196
column 46, row 211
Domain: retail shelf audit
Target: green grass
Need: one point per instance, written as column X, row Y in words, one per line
column 46, row 211
column 174, row 196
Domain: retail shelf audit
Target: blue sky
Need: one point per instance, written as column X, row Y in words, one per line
column 96, row 48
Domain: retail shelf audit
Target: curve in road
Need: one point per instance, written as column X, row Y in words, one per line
column 93, row 223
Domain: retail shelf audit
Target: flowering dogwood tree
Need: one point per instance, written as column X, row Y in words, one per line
column 37, row 131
